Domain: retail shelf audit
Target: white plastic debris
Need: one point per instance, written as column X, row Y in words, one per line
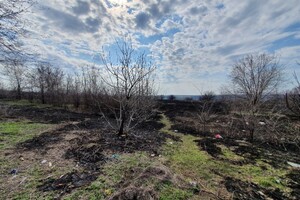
column 50, row 164
column 44, row 161
column 296, row 165
column 193, row 183
column 262, row 123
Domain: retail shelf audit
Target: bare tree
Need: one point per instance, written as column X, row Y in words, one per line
column 15, row 70
column 254, row 78
column 205, row 109
column 48, row 80
column 293, row 98
column 91, row 86
column 128, row 91
column 11, row 25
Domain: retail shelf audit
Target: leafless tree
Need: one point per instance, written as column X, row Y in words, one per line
column 15, row 70
column 11, row 26
column 128, row 88
column 293, row 98
column 254, row 78
column 48, row 80
column 91, row 86
column 205, row 109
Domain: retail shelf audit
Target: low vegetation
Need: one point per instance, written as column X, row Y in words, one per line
column 55, row 159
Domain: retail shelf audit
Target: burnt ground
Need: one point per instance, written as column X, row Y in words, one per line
column 85, row 143
column 247, row 190
column 47, row 114
column 275, row 154
column 81, row 140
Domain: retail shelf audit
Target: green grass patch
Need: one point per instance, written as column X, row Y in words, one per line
column 187, row 159
column 169, row 192
column 229, row 155
column 12, row 133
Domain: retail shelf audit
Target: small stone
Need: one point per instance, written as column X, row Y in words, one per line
column 50, row 164
column 170, row 142
column 175, row 131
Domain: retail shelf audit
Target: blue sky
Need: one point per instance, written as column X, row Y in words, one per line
column 194, row 43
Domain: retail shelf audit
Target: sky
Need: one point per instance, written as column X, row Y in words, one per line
column 193, row 43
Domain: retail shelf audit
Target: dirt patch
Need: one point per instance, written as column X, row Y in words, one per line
column 67, row 182
column 245, row 190
column 138, row 183
column 139, row 176
column 90, row 156
column 41, row 141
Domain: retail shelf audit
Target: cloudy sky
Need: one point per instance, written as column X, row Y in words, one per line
column 194, row 42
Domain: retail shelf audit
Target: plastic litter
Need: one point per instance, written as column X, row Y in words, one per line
column 115, row 156
column 44, row 161
column 14, row 171
column 218, row 136
column 193, row 183
column 294, row 164
column 262, row 123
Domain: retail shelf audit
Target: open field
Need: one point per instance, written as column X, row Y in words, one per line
column 52, row 153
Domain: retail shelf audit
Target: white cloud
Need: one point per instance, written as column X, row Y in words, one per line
column 211, row 34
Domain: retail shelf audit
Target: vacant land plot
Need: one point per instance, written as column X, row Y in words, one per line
column 52, row 153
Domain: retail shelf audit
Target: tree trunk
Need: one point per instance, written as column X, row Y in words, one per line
column 42, row 95
column 19, row 95
column 251, row 135
column 121, row 129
